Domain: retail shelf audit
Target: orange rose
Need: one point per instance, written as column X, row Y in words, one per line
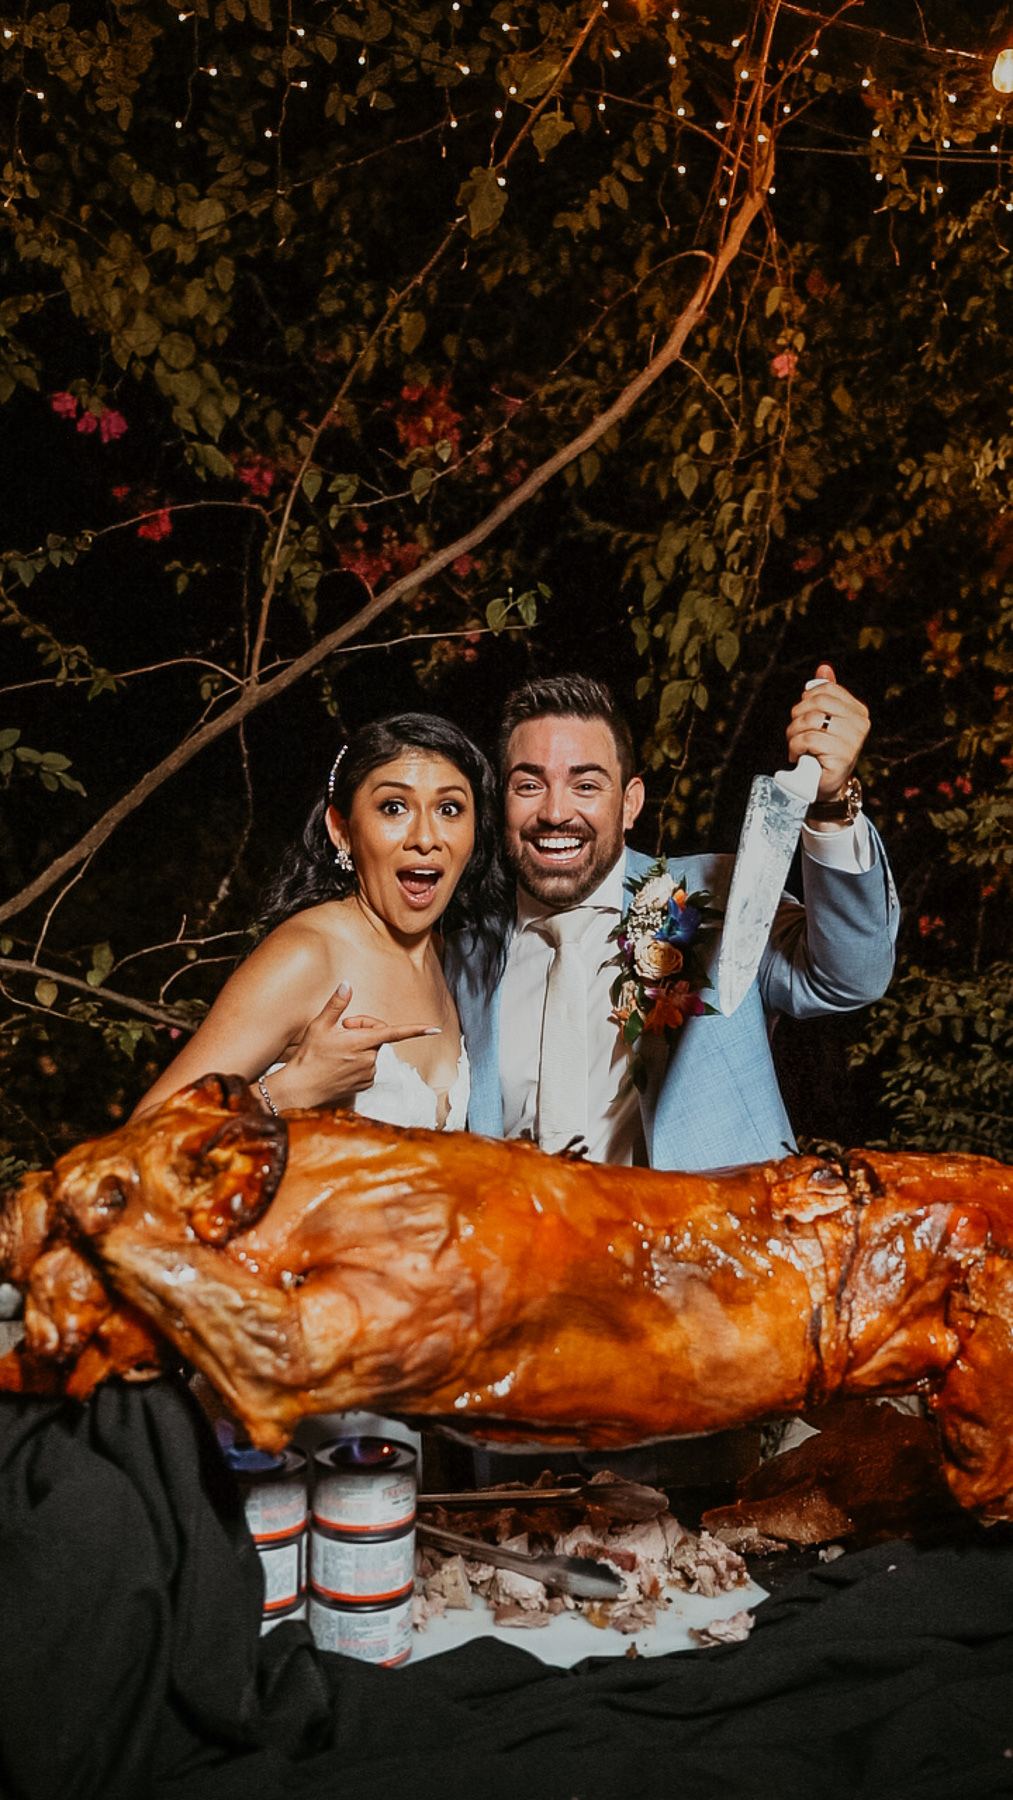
column 653, row 960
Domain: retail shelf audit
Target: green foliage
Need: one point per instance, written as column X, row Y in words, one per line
column 49, row 765
column 297, row 297
column 942, row 1047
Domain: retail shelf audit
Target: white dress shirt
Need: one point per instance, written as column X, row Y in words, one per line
column 615, row 1133
column 614, row 1129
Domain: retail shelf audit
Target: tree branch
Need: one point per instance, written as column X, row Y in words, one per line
column 257, row 693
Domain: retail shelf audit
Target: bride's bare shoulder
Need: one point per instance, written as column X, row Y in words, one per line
column 317, row 931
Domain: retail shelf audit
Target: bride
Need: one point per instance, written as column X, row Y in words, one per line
column 405, row 837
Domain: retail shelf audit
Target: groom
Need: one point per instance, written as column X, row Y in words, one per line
column 571, row 796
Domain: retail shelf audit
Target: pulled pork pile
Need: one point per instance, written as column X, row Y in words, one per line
column 654, row 1556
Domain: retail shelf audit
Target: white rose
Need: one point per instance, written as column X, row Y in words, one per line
column 656, row 893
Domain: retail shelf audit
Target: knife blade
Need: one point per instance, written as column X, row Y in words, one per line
column 770, row 831
column 580, row 1576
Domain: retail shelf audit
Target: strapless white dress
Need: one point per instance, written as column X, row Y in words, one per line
column 399, row 1095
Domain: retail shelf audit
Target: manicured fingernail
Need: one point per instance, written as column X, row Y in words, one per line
column 432, row 1031
column 343, row 990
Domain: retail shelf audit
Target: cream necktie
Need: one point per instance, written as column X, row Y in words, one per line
column 562, row 1076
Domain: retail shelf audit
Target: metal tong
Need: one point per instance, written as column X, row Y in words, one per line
column 580, row 1576
column 629, row 1501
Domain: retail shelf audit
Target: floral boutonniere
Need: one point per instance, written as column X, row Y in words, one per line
column 660, row 960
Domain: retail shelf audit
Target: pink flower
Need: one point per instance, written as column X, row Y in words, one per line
column 64, row 404
column 946, row 789
column 121, row 493
column 785, row 364
column 962, row 784
column 256, row 473
column 111, row 425
column 463, row 566
column 158, row 526
column 909, row 793
column 87, row 422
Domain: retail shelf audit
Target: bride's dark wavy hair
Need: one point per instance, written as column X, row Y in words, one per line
column 308, row 874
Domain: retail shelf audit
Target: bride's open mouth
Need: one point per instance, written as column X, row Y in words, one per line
column 419, row 885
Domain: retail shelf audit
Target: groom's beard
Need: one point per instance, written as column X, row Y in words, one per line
column 572, row 882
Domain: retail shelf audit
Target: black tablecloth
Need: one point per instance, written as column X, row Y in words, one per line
column 131, row 1665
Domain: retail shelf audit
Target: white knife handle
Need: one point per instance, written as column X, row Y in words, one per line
column 804, row 778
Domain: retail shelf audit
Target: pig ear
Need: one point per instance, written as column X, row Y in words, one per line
column 228, row 1091
column 236, row 1153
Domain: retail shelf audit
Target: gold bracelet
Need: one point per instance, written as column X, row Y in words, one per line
column 265, row 1096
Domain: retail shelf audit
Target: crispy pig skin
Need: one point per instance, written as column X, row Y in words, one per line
column 477, row 1281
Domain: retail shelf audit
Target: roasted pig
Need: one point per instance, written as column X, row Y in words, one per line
column 323, row 1262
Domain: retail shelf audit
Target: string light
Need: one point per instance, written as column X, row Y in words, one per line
column 866, row 82
column 498, row 114
column 299, row 32
column 1002, row 72
column 681, row 170
column 680, row 112
column 601, row 106
column 672, row 61
column 464, row 68
column 179, row 124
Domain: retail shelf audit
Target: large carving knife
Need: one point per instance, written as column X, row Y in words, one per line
column 770, row 831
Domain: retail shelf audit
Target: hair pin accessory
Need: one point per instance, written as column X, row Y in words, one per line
column 333, row 776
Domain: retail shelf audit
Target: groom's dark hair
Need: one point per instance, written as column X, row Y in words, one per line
column 567, row 697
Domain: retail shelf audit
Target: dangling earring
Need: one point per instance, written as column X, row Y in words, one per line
column 343, row 861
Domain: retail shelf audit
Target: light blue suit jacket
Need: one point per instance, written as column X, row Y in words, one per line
column 713, row 1101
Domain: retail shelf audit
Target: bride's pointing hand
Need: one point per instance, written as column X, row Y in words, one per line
column 335, row 1058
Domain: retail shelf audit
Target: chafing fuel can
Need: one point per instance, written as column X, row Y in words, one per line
column 362, row 1549
column 377, row 1634
column 269, row 1620
column 276, row 1503
column 369, row 1568
column 364, row 1484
